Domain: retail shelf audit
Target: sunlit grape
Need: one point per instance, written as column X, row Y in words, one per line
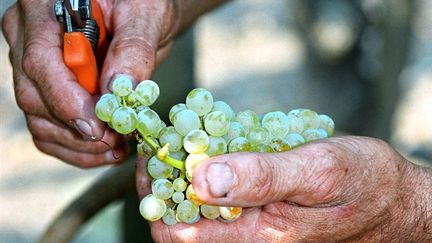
column 148, row 122
column 147, row 92
column 196, row 141
column 199, row 100
column 158, row 169
column 152, row 208
column 216, row 123
column 124, row 120
column 185, row 121
column 170, row 136
column 106, row 106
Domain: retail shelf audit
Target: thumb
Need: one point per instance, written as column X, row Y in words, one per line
column 140, row 39
column 311, row 175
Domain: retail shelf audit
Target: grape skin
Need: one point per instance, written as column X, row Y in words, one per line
column 170, row 136
column 124, row 120
column 162, row 189
column 147, row 92
column 106, row 106
column 158, row 169
column 216, row 123
column 199, row 100
column 239, row 144
column 217, row 146
column 148, row 122
column 185, row 121
column 196, row 142
column 122, row 85
column 152, row 208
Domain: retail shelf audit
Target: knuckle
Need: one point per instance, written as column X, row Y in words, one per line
column 24, row 98
column 137, row 48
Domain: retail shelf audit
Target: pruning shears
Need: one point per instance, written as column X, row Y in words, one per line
column 85, row 39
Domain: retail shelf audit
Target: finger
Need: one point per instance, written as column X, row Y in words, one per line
column 143, row 181
column 137, row 28
column 80, row 159
column 10, row 23
column 43, row 63
column 46, row 131
column 323, row 173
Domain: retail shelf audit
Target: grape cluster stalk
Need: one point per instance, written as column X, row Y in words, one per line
column 201, row 128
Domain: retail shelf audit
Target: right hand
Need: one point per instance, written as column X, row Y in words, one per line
column 59, row 112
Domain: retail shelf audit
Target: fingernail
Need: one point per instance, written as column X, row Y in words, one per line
column 220, row 179
column 84, row 129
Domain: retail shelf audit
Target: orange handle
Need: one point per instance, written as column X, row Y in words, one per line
column 79, row 56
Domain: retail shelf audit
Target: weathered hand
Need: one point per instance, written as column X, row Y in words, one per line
column 339, row 189
column 60, row 114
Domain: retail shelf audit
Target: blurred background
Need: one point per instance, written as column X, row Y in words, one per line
column 366, row 63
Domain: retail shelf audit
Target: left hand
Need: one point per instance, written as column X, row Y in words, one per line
column 347, row 188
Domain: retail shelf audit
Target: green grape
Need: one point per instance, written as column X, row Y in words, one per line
column 141, row 107
column 295, row 112
column 196, row 142
column 262, row 148
column 225, row 108
column 187, row 211
column 122, row 85
column 294, row 140
column 131, row 100
column 179, row 184
column 158, row 169
column 175, row 109
column 177, row 197
column 216, row 123
column 106, row 106
column 239, row 144
column 170, row 136
column 327, row 124
column 179, row 155
column 162, row 189
column 199, row 100
column 145, row 150
column 159, row 132
column 310, row 119
column 192, row 196
column 296, row 124
column 210, row 211
column 230, row 213
column 169, row 217
column 148, row 122
column 279, row 145
column 185, row 121
column 152, row 208
column 235, row 130
column 217, row 146
column 147, row 92
column 124, row 120
column 193, row 160
column 249, row 119
column 314, row 134
column 259, row 135
column 276, row 123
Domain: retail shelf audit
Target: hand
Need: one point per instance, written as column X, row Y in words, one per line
column 351, row 188
column 59, row 113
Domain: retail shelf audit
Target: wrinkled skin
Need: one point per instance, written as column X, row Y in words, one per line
column 59, row 113
column 339, row 189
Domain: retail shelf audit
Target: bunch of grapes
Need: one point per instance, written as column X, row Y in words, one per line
column 201, row 128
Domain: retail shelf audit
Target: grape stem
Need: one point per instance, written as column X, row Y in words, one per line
column 163, row 154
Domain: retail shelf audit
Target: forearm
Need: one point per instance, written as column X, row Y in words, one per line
column 188, row 11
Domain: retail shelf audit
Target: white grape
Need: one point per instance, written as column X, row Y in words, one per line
column 225, row 108
column 279, row 145
column 147, row 92
column 178, row 197
column 294, row 140
column 178, row 155
column 239, row 144
column 169, row 217
column 106, row 106
column 327, row 124
column 162, row 189
column 314, row 134
column 216, row 123
column 179, row 184
column 217, row 146
column 310, row 119
column 199, row 100
column 185, row 121
column 249, row 119
column 259, row 135
column 175, row 109
column 158, row 169
column 148, row 122
column 187, row 211
column 170, row 136
column 196, row 141
column 152, row 208
column 230, row 213
column 262, row 148
column 122, row 85
column 210, row 211
column 235, row 130
column 124, row 120
column 276, row 123
column 296, row 124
